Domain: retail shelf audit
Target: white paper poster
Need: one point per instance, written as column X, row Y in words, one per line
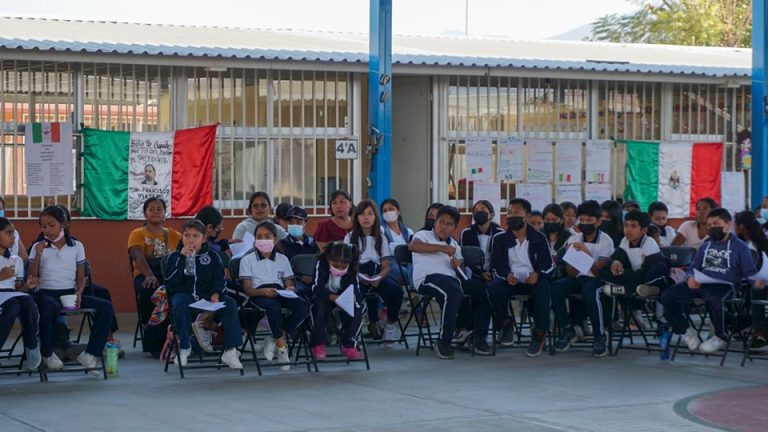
column 539, row 162
column 538, row 194
column 568, row 162
column 597, row 191
column 490, row 192
column 599, row 161
column 150, row 167
column 479, row 159
column 48, row 157
column 509, row 165
column 570, row 193
column 734, row 196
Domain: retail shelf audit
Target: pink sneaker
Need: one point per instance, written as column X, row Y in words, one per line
column 350, row 353
column 319, row 352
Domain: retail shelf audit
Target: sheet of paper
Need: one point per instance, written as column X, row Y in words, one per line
column 509, row 164
column 287, row 294
column 346, row 300
column 734, row 195
column 479, row 159
column 570, row 193
column 598, row 161
column 205, row 305
column 539, row 162
column 365, row 278
column 7, row 295
column 241, row 248
column 597, row 191
column 539, row 195
column 762, row 274
column 490, row 192
column 461, row 273
column 568, row 162
column 579, row 260
column 704, row 279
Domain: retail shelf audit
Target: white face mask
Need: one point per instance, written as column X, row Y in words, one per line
column 390, row 216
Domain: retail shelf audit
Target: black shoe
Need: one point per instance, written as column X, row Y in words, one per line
column 443, row 350
column 599, row 347
column 508, row 334
column 566, row 339
column 480, row 346
column 537, row 344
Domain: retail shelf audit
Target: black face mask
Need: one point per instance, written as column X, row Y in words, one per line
column 606, row 226
column 515, row 223
column 716, row 233
column 481, row 217
column 552, row 227
column 430, row 223
column 587, row 229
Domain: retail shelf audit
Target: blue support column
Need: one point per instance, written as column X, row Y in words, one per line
column 759, row 124
column 380, row 99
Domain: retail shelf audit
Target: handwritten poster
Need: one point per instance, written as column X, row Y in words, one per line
column 48, row 159
column 599, row 161
column 538, row 194
column 150, row 161
column 539, row 162
column 479, row 159
column 570, row 193
column 597, row 191
column 492, row 193
column 568, row 162
column 734, row 196
column 509, row 165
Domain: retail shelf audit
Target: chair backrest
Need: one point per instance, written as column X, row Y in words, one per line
column 234, row 268
column 304, row 265
column 163, row 265
column 678, row 256
column 403, row 255
column 474, row 257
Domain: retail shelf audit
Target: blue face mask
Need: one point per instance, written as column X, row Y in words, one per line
column 764, row 213
column 296, row 230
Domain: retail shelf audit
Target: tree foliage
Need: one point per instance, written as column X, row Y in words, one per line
column 726, row 23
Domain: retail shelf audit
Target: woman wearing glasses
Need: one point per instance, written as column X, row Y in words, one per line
column 259, row 209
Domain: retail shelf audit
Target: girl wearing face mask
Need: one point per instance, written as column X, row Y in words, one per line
column 430, row 216
column 481, row 232
column 612, row 221
column 396, row 233
column 554, row 228
column 265, row 275
column 337, row 269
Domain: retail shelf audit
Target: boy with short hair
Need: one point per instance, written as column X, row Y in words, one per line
column 659, row 212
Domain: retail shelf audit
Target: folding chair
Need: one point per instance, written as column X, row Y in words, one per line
column 420, row 304
column 15, row 368
column 749, row 352
column 73, row 366
column 138, row 332
column 474, row 258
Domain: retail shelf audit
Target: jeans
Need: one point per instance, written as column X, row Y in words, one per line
column 589, row 288
column 227, row 316
column 678, row 296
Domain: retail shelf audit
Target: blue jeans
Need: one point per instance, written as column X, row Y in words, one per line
column 49, row 306
column 25, row 309
column 678, row 296
column 589, row 288
column 227, row 316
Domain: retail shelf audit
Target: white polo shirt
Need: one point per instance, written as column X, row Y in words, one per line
column 669, row 235
column 58, row 267
column 519, row 260
column 601, row 248
column 425, row 264
column 369, row 253
column 638, row 254
column 263, row 271
column 15, row 261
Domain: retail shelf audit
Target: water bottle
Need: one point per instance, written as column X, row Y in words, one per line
column 190, row 267
column 664, row 341
column 111, row 358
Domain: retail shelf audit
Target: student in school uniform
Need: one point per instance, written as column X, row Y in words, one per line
column 522, row 264
column 396, row 233
column 554, row 228
column 611, row 221
column 481, row 232
column 597, row 244
column 298, row 242
column 659, row 213
column 569, row 216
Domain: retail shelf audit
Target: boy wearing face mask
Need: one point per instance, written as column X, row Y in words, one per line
column 522, row 265
column 723, row 257
column 599, row 245
column 298, row 243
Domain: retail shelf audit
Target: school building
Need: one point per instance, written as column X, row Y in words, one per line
column 283, row 98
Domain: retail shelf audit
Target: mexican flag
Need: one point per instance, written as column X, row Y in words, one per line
column 676, row 173
column 123, row 169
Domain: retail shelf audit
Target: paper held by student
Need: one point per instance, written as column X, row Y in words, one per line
column 761, row 275
column 346, row 300
column 521, row 275
column 579, row 260
column 205, row 305
column 287, row 293
column 239, row 249
column 365, row 278
column 704, row 279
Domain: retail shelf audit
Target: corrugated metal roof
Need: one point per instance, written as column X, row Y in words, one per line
column 222, row 42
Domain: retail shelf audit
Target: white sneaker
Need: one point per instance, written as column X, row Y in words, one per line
column 231, row 358
column 390, row 334
column 53, row 362
column 282, row 357
column 646, row 291
column 89, row 362
column 203, row 336
column 33, row 359
column 691, row 339
column 183, row 357
column 712, row 345
column 269, row 348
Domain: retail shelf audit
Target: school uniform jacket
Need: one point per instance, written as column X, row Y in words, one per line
column 290, row 247
column 538, row 253
column 470, row 236
column 323, row 274
column 208, row 279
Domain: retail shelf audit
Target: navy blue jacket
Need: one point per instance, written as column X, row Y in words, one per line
column 470, row 235
column 538, row 253
column 290, row 247
column 323, row 274
column 209, row 278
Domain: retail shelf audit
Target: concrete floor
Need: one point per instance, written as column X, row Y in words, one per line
column 567, row 392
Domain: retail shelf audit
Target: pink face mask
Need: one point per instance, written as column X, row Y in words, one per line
column 59, row 237
column 264, row 246
column 338, row 273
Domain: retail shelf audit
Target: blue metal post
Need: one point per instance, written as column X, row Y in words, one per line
column 759, row 124
column 380, row 99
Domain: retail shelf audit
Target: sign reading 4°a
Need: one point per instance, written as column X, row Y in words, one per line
column 347, row 149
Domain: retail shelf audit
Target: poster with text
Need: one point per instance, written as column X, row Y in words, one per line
column 509, row 165
column 597, row 191
column 48, row 157
column 568, row 162
column 734, row 196
column 570, row 193
column 599, row 161
column 538, row 194
column 539, row 162
column 490, row 192
column 479, row 159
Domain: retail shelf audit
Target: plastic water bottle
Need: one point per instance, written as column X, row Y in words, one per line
column 664, row 340
column 111, row 358
column 190, row 269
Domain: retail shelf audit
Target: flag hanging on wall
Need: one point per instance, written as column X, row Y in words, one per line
column 678, row 174
column 123, row 169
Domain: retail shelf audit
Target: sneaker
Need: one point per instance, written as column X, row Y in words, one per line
column 508, row 334
column 691, row 339
column 350, row 353
column 614, row 290
column 390, row 334
column 183, row 357
column 599, row 347
column 33, row 359
column 579, row 331
column 269, row 348
column 536, row 346
column 203, row 336
column 462, row 337
column 565, row 340
column 712, row 345
column 375, row 331
column 89, row 362
column 318, row 351
column 664, row 339
column 480, row 346
column 641, row 319
column 646, row 291
column 282, row 357
column 443, row 350
column 53, row 362
column 231, row 358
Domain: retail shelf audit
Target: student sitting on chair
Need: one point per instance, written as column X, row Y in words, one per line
column 397, row 234
column 723, row 258
column 265, row 274
column 299, row 243
column 337, row 269
column 206, row 282
column 659, row 213
column 522, row 265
